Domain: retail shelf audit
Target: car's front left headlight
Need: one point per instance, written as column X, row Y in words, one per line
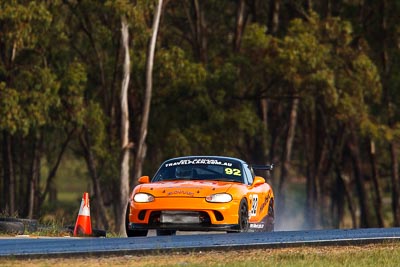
column 219, row 198
column 143, row 198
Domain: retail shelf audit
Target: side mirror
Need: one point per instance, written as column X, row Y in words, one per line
column 258, row 180
column 144, row 180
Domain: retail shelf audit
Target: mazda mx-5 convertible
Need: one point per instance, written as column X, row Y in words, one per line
column 201, row 193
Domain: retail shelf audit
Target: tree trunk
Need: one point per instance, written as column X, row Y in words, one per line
column 201, row 31
column 254, row 10
column 141, row 147
column 24, row 155
column 342, row 183
column 321, row 180
column 340, row 190
column 10, row 166
column 239, row 25
column 327, row 9
column 197, row 29
column 395, row 184
column 375, row 179
column 308, row 5
column 260, row 145
column 273, row 19
column 311, row 193
column 124, row 178
column 385, row 57
column 337, row 200
column 9, row 178
column 23, row 180
column 53, row 171
column 99, row 210
column 287, row 152
column 311, row 182
column 272, row 29
column 359, row 180
column 33, row 189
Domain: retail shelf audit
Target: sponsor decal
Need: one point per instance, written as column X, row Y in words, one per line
column 198, row 161
column 257, row 225
column 265, row 203
column 180, row 192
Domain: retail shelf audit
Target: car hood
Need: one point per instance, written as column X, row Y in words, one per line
column 185, row 188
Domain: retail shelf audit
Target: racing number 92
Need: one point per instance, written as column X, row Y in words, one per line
column 254, row 204
column 231, row 171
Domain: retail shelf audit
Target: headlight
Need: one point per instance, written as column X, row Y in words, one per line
column 219, row 198
column 143, row 198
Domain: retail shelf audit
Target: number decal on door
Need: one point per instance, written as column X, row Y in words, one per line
column 254, row 204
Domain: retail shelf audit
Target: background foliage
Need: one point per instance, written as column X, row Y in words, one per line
column 311, row 86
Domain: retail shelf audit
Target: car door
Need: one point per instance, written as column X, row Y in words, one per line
column 257, row 196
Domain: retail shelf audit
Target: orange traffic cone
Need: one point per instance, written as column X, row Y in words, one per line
column 83, row 225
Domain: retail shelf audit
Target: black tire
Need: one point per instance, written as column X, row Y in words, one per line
column 12, row 227
column 130, row 232
column 165, row 232
column 243, row 220
column 31, row 225
column 270, row 222
column 243, row 216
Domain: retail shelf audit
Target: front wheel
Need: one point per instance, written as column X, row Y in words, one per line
column 243, row 220
column 243, row 216
column 130, row 232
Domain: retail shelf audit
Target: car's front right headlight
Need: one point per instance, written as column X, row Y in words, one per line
column 143, row 198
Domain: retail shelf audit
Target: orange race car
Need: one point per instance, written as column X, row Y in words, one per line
column 201, row 193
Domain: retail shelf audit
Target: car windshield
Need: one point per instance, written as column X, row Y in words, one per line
column 200, row 169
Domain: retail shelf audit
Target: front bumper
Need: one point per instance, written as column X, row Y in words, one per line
column 184, row 227
column 185, row 214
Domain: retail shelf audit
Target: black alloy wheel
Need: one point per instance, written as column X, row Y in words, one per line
column 243, row 216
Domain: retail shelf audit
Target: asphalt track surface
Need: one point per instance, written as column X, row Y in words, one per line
column 70, row 246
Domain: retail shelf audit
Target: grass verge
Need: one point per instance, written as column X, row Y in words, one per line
column 387, row 254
